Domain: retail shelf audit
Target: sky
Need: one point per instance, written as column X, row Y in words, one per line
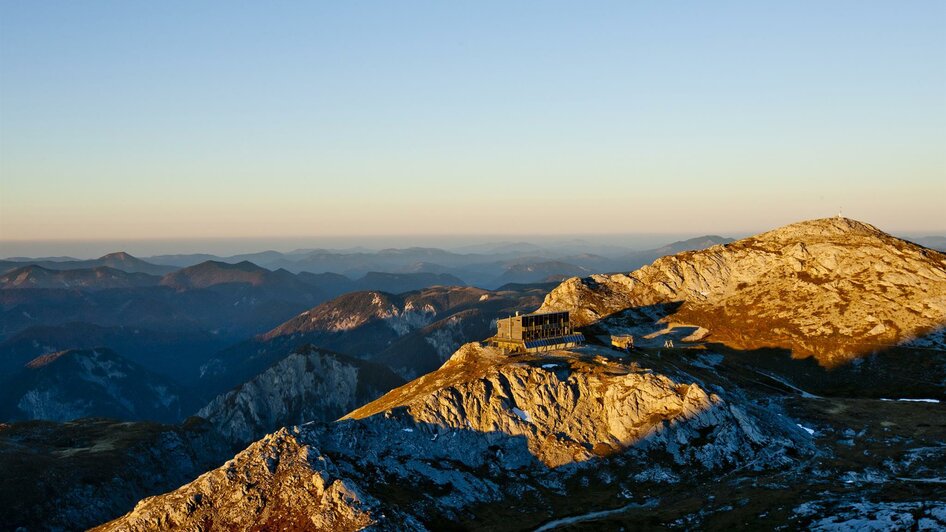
column 196, row 120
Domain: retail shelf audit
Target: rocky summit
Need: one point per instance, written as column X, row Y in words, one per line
column 484, row 429
column 833, row 288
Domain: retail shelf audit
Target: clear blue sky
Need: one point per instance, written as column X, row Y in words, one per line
column 223, row 119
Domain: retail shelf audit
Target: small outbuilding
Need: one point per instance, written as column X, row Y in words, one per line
column 624, row 342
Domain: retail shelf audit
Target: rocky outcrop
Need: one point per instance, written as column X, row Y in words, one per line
column 833, row 288
column 483, row 429
column 308, row 385
column 566, row 408
column 278, row 483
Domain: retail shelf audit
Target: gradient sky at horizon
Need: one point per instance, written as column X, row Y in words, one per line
column 211, row 119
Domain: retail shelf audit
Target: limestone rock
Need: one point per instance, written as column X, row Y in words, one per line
column 277, row 482
column 308, row 385
column 832, row 288
column 483, row 429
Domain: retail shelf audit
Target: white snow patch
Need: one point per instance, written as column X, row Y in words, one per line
column 408, row 430
column 920, row 400
column 558, row 523
column 523, row 415
column 806, row 429
column 549, row 366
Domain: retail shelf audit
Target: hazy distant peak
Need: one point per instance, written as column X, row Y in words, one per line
column 119, row 255
column 413, row 250
column 213, row 272
column 243, row 265
column 212, row 265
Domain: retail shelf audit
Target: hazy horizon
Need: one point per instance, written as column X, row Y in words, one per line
column 94, row 248
column 89, row 249
column 132, row 121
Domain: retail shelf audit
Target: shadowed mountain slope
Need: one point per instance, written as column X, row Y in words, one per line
column 89, row 383
column 75, row 475
column 174, row 353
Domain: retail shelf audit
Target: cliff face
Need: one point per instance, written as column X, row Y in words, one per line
column 308, row 385
column 483, row 429
column 832, row 288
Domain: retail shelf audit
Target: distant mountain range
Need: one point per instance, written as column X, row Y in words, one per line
column 486, row 266
column 118, row 261
column 97, row 278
